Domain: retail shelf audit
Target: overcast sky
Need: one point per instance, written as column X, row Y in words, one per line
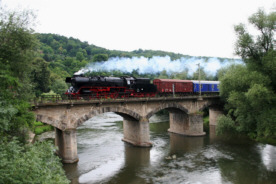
column 190, row 27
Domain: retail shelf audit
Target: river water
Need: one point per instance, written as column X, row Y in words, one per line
column 104, row 158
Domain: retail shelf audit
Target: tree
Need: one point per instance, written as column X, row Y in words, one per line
column 59, row 86
column 30, row 164
column 79, row 56
column 100, row 57
column 249, row 90
column 17, row 49
column 21, row 163
column 251, row 49
column 181, row 75
column 203, row 75
column 18, row 44
column 40, row 76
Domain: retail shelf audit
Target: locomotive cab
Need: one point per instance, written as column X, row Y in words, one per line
column 129, row 81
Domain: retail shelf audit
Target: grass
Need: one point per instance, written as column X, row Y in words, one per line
column 206, row 124
column 40, row 128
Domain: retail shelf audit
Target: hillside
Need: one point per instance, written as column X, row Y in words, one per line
column 55, row 47
column 68, row 55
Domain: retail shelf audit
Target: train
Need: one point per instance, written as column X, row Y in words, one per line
column 126, row 86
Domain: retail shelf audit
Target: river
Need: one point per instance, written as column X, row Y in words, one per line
column 104, row 158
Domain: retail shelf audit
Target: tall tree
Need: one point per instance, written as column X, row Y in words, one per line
column 17, row 48
column 40, row 76
column 249, row 90
column 20, row 163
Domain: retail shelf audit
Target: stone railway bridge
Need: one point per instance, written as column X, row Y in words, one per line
column 66, row 116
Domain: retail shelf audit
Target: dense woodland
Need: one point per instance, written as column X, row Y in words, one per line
column 32, row 64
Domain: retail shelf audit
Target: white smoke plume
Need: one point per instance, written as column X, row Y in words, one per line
column 158, row 64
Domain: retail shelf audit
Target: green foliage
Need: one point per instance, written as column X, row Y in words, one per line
column 250, row 90
column 17, row 47
column 59, row 87
column 100, row 57
column 41, row 129
column 180, row 75
column 226, row 124
column 29, row 164
column 40, row 76
column 203, row 75
column 38, row 123
column 20, row 75
column 238, row 78
column 50, row 93
column 55, row 47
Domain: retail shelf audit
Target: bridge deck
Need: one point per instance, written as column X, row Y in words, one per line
column 53, row 101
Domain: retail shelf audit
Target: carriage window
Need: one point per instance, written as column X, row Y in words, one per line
column 213, row 86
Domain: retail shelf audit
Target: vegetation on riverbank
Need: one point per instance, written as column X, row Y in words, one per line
column 22, row 75
column 249, row 90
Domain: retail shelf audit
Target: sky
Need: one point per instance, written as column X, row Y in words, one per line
column 195, row 28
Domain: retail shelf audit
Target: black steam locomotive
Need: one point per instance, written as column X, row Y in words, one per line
column 109, row 87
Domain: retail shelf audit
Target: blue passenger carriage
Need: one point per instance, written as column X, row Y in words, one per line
column 206, row 86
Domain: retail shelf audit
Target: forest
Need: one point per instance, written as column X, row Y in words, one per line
column 33, row 64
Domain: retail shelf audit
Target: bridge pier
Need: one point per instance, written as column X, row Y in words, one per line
column 66, row 141
column 136, row 132
column 214, row 113
column 186, row 124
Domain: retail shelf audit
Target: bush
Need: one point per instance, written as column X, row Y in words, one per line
column 225, row 125
column 41, row 129
column 30, row 164
column 38, row 123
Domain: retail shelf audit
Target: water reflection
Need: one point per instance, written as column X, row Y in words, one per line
column 268, row 154
column 180, row 144
column 135, row 156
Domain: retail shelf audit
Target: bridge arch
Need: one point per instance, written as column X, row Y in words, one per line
column 71, row 119
column 51, row 120
column 169, row 106
column 124, row 112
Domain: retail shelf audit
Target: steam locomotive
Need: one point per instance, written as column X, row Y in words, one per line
column 110, row 87
column 124, row 87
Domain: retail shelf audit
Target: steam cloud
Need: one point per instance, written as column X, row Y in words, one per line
column 158, row 64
